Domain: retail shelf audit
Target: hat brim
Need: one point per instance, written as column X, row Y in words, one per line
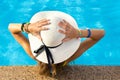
column 64, row 51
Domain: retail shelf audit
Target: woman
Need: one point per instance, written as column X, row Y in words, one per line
column 92, row 36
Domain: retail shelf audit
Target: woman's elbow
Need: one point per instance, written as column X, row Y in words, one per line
column 10, row 27
column 98, row 34
column 14, row 28
column 102, row 33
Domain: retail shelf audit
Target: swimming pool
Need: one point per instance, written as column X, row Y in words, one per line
column 100, row 14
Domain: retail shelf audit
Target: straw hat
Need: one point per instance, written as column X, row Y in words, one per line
column 51, row 44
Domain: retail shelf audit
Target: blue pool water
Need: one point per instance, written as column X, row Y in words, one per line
column 100, row 14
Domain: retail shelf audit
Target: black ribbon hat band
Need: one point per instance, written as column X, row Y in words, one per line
column 48, row 54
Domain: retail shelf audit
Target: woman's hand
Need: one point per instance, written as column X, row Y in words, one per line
column 37, row 27
column 69, row 31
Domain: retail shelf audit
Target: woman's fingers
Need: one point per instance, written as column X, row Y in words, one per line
column 66, row 23
column 44, row 23
column 43, row 20
column 67, row 38
column 43, row 28
column 41, row 24
column 61, row 31
column 62, row 24
column 69, row 31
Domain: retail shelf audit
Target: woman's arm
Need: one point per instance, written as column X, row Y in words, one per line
column 16, row 32
column 71, row 33
column 33, row 28
column 96, row 35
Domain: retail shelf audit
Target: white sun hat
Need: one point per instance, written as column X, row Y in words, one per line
column 52, row 39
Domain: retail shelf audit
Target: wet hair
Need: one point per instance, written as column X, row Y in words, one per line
column 43, row 69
